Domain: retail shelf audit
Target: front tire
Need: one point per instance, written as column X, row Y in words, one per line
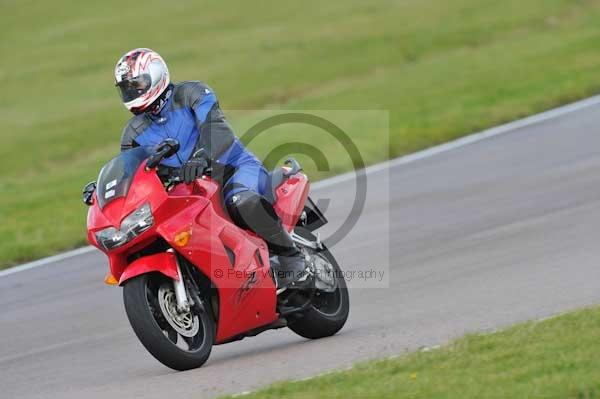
column 179, row 341
column 330, row 310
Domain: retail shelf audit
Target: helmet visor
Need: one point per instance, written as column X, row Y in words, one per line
column 132, row 88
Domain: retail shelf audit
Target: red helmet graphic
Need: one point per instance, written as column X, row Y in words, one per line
column 141, row 75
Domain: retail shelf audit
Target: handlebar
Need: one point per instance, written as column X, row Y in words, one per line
column 172, row 175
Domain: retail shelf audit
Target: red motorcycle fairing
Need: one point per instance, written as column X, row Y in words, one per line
column 235, row 260
column 245, row 288
column 290, row 198
column 146, row 187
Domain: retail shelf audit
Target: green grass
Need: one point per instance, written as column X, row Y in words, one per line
column 556, row 358
column 441, row 68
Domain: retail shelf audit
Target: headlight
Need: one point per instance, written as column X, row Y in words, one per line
column 132, row 226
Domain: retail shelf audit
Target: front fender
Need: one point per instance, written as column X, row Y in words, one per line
column 164, row 262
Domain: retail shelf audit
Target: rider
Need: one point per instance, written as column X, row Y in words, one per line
column 189, row 112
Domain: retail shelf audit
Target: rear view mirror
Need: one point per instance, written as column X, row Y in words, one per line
column 88, row 193
column 171, row 145
column 164, row 150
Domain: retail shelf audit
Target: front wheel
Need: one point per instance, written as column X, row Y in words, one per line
column 330, row 308
column 181, row 341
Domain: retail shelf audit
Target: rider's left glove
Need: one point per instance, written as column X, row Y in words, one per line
column 193, row 168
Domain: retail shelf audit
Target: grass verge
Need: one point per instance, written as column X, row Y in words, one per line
column 554, row 358
column 441, row 69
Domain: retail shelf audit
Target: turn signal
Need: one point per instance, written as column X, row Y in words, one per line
column 181, row 239
column 111, row 280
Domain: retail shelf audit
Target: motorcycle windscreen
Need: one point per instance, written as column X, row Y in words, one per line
column 116, row 176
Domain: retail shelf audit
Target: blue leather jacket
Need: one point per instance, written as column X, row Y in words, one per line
column 192, row 116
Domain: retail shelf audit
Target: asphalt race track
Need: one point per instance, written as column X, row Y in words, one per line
column 479, row 237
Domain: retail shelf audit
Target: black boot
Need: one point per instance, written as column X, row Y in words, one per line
column 290, row 269
column 252, row 211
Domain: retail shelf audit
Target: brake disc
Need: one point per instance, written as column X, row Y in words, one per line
column 185, row 323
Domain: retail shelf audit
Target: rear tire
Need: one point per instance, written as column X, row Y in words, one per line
column 156, row 334
column 319, row 322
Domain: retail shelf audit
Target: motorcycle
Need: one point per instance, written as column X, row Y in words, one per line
column 191, row 278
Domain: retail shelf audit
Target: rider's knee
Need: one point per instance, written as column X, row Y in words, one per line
column 250, row 210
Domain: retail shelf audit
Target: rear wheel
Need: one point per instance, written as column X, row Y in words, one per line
column 179, row 340
column 330, row 307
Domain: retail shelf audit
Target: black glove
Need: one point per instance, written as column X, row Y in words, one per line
column 193, row 169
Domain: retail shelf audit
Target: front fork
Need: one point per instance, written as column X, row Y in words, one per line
column 183, row 304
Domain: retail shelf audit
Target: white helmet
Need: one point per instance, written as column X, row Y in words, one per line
column 141, row 76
